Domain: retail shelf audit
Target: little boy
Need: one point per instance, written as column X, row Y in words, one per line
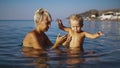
column 76, row 35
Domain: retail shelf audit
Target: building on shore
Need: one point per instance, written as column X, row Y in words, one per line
column 110, row 16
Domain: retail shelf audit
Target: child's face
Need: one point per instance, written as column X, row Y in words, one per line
column 75, row 26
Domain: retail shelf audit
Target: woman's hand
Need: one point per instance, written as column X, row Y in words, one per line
column 69, row 38
column 59, row 40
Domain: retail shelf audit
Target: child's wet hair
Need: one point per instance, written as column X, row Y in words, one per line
column 76, row 17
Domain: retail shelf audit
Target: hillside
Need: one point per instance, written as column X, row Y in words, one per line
column 97, row 12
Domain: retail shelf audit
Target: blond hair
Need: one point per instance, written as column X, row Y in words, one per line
column 40, row 13
column 76, row 17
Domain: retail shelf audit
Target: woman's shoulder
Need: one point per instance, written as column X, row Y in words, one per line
column 29, row 34
column 33, row 32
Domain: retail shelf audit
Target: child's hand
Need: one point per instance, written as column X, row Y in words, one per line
column 100, row 33
column 61, row 26
column 59, row 21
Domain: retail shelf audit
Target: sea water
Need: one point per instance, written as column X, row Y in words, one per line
column 106, row 48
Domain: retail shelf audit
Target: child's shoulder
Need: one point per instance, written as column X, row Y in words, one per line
column 69, row 29
column 83, row 32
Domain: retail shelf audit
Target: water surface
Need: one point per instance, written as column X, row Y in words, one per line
column 105, row 49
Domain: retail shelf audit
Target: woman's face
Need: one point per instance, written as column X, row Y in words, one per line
column 45, row 24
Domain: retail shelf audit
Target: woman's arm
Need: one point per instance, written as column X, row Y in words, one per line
column 59, row 41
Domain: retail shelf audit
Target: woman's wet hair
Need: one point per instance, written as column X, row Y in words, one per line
column 40, row 13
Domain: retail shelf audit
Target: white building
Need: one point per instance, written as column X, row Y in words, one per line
column 106, row 16
column 110, row 16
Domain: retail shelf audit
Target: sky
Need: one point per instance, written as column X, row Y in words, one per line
column 25, row 9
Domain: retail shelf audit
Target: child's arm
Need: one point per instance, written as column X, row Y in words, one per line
column 93, row 36
column 61, row 26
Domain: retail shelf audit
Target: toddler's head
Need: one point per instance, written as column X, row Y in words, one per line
column 76, row 22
